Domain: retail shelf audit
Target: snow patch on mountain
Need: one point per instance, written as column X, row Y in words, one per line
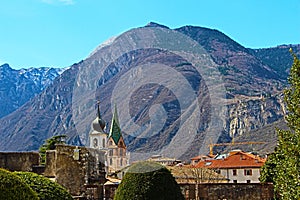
column 19, row 86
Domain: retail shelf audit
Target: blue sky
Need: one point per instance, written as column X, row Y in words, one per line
column 58, row 33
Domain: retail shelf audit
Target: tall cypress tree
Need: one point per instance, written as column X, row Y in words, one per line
column 283, row 166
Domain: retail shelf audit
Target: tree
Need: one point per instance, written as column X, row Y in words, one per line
column 146, row 181
column 283, row 166
column 44, row 187
column 13, row 187
column 50, row 145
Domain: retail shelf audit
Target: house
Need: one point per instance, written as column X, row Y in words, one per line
column 237, row 166
column 188, row 174
column 164, row 160
column 195, row 160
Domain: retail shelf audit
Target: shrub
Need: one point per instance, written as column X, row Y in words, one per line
column 44, row 187
column 13, row 187
column 147, row 181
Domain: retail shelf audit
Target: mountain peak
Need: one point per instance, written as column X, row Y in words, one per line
column 154, row 24
column 19, row 86
column 5, row 66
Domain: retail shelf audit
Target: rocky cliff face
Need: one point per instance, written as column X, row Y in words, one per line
column 250, row 97
column 19, row 86
column 254, row 113
column 252, row 119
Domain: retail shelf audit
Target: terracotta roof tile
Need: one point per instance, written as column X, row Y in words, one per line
column 234, row 160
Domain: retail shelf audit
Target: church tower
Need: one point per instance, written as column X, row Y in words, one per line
column 117, row 156
column 97, row 136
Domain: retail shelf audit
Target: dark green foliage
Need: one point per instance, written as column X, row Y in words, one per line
column 13, row 187
column 44, row 187
column 278, row 58
column 148, row 181
column 283, row 166
column 50, row 145
column 223, row 70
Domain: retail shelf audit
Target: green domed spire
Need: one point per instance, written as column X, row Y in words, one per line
column 115, row 130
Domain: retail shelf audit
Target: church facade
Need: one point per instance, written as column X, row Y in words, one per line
column 112, row 143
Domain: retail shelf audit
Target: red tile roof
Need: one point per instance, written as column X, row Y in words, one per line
column 237, row 159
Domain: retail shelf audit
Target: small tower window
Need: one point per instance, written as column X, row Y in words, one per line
column 103, row 142
column 95, row 142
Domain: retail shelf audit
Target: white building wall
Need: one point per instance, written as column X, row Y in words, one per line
column 240, row 176
column 101, row 141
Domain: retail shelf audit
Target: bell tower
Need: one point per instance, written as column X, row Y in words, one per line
column 117, row 157
column 97, row 136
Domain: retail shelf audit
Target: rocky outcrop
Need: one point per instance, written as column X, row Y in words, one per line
column 253, row 113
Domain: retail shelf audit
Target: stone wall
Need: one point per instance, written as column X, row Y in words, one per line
column 110, row 191
column 241, row 191
column 188, row 191
column 213, row 191
column 78, row 169
column 50, row 163
column 19, row 161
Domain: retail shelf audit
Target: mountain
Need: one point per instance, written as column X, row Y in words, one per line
column 246, row 95
column 243, row 71
column 278, row 58
column 18, row 86
column 265, row 134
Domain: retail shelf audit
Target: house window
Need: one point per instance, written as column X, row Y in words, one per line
column 234, row 172
column 234, row 181
column 110, row 161
column 218, row 171
column 110, row 143
column 248, row 172
column 248, row 181
column 121, row 162
column 121, row 152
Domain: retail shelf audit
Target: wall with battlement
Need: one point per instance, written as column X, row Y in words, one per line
column 19, row 161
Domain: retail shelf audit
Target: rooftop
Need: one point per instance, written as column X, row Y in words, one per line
column 235, row 159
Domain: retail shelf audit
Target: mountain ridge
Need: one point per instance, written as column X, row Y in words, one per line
column 50, row 112
column 19, row 86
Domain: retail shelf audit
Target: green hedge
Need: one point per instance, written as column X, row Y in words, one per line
column 44, row 187
column 148, row 181
column 13, row 187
